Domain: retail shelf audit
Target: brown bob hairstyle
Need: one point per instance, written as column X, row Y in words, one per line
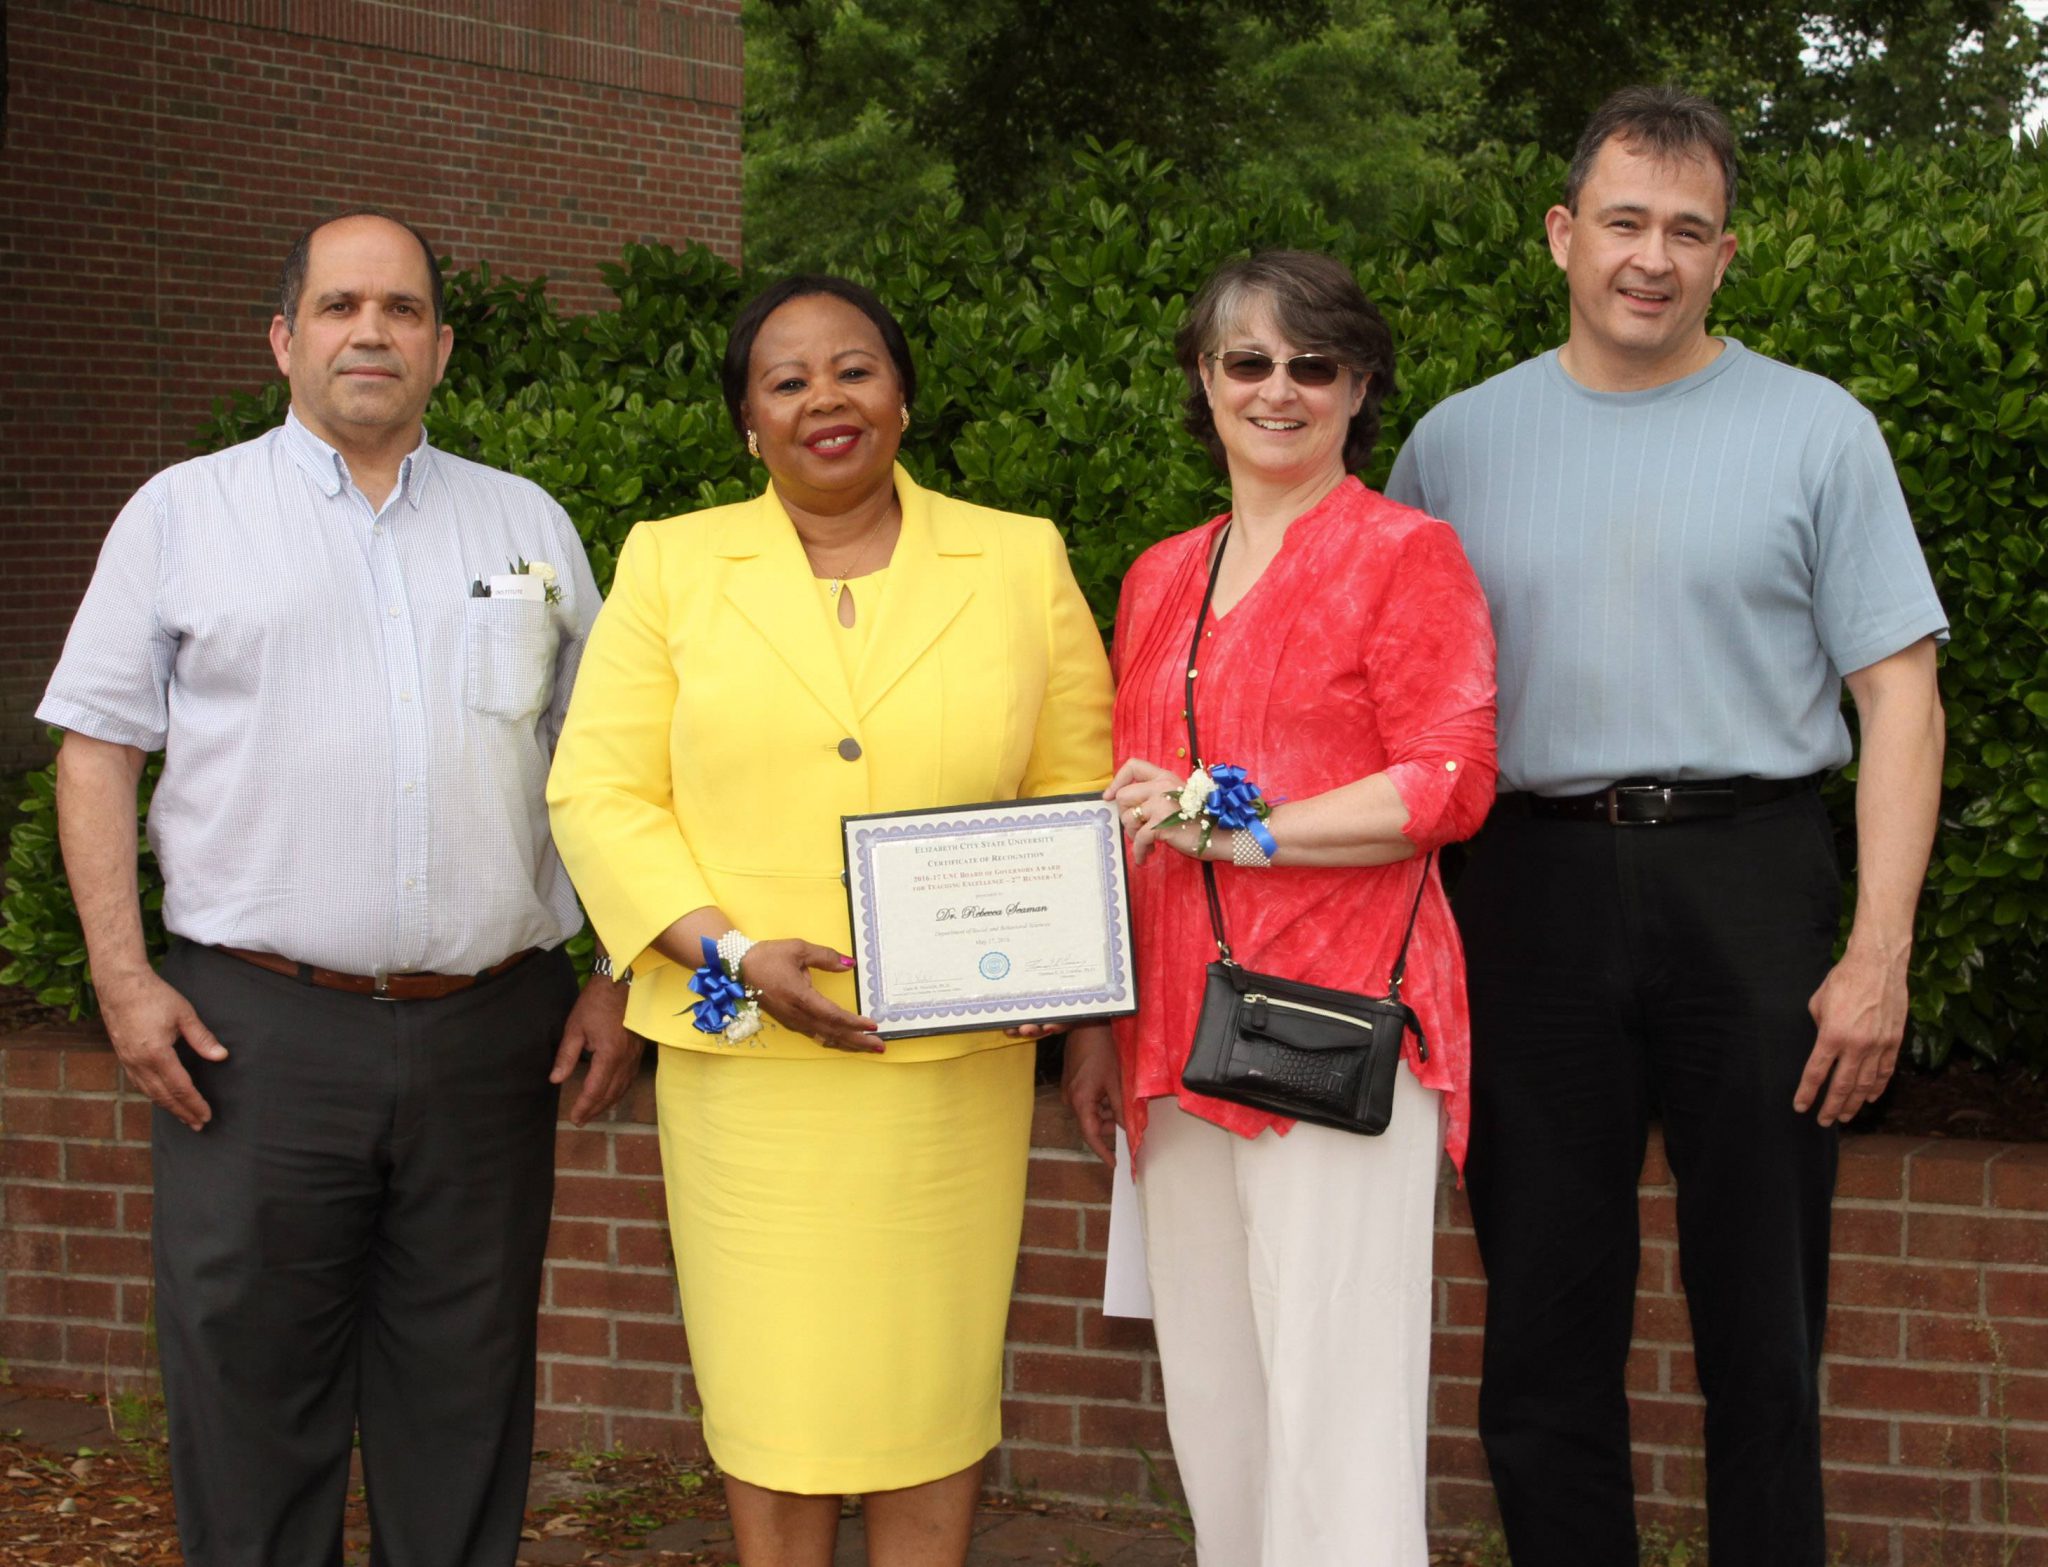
column 1318, row 305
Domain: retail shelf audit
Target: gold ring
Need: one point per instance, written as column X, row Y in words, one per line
column 1138, row 814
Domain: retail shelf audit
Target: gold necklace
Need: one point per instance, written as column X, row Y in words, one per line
column 838, row 582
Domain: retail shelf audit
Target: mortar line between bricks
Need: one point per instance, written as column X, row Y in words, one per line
column 1908, row 1471
column 1093, row 1354
column 1069, row 1300
column 492, row 66
column 1017, row 1444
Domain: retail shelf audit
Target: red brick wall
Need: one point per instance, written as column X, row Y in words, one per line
column 1935, row 1387
column 160, row 155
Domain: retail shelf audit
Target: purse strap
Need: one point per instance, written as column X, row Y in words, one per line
column 1195, row 752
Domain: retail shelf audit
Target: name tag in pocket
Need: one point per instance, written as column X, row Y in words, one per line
column 519, row 585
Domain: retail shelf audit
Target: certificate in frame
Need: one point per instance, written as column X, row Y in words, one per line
column 971, row 917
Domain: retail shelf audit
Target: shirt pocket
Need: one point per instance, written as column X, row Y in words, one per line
column 508, row 655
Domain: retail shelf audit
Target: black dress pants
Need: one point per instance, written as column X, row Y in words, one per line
column 1614, row 971
column 355, row 1241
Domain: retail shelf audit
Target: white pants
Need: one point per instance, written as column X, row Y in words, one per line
column 1291, row 1299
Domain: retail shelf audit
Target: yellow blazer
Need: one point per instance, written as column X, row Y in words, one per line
column 705, row 757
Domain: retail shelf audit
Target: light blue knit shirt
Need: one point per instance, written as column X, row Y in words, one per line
column 355, row 748
column 1679, row 577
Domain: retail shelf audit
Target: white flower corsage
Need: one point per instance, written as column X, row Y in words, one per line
column 1222, row 796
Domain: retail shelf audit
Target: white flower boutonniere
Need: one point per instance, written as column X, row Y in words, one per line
column 551, row 590
column 1194, row 795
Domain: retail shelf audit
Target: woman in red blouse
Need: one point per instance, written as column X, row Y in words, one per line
column 1347, row 666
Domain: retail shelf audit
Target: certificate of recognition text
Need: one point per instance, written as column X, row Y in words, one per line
column 986, row 916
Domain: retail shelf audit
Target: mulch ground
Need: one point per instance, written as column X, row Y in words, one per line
column 103, row 1508
column 2002, row 1105
column 615, row 1505
column 110, row 1505
column 19, row 1010
column 70, row 1501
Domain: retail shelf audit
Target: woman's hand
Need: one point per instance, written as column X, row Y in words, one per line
column 1036, row 1030
column 1092, row 1088
column 1144, row 795
column 779, row 970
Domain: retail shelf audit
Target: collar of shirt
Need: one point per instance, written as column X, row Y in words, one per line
column 329, row 469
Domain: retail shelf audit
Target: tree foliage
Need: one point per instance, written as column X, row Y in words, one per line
column 1047, row 385
column 860, row 110
column 1865, row 72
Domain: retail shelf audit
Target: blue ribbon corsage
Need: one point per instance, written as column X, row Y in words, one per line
column 728, row 1007
column 1223, row 796
column 1235, row 802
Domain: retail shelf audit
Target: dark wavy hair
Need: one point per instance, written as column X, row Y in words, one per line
column 1318, row 304
column 1662, row 122
column 746, row 326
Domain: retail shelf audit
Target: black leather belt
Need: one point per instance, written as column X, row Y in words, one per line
column 1646, row 803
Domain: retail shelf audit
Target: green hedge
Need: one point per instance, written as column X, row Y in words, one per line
column 1047, row 385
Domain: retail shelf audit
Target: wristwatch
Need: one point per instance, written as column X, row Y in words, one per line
column 601, row 966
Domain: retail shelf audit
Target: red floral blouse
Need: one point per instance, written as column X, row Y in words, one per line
column 1364, row 648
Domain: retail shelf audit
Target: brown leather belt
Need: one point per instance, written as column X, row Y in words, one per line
column 379, row 987
column 1645, row 803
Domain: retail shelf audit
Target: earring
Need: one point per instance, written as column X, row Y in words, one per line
column 906, row 418
column 753, row 445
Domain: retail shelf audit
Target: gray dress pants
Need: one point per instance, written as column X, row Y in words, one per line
column 354, row 1244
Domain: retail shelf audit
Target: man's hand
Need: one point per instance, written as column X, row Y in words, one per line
column 145, row 1018
column 1093, row 1090
column 1860, row 1009
column 597, row 1027
column 1861, row 1006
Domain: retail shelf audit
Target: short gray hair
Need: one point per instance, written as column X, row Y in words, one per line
column 291, row 280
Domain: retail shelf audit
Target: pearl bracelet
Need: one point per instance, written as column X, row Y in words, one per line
column 732, row 947
column 1245, row 851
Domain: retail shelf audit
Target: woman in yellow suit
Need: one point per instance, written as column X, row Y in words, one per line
column 845, row 1215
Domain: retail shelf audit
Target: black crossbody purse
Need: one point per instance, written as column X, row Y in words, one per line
column 1292, row 1049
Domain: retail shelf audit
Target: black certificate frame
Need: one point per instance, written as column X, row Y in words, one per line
column 1118, row 998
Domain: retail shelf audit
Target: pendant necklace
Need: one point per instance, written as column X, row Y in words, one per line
column 860, row 554
column 837, row 584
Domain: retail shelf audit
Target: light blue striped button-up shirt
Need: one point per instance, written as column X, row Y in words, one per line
column 355, row 747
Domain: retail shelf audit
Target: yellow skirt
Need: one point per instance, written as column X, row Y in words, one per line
column 846, row 1239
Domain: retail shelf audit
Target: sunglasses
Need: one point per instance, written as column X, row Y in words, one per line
column 1249, row 365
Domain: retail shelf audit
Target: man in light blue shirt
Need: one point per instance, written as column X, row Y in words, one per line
column 355, row 652
column 1688, row 550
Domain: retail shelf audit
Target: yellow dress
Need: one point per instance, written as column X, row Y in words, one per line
column 845, row 1226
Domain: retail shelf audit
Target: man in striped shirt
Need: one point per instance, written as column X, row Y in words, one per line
column 1688, row 549
column 355, row 652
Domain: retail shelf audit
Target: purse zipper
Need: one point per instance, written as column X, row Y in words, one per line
column 1303, row 1006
